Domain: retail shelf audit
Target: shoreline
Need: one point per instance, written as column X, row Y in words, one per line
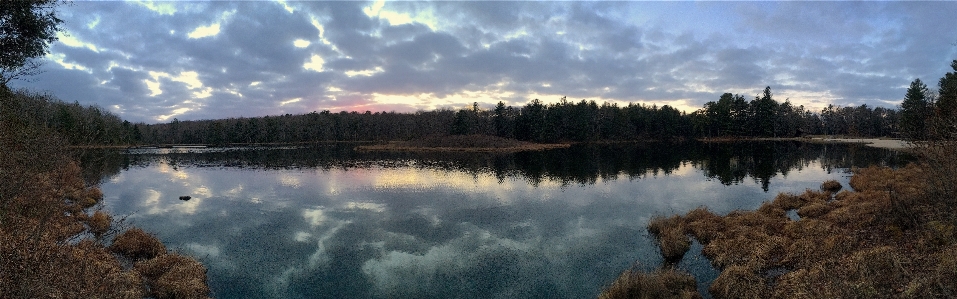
column 885, row 143
column 397, row 147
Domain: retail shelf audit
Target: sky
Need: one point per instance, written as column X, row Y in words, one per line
column 157, row 61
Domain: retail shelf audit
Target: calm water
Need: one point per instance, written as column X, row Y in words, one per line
column 327, row 222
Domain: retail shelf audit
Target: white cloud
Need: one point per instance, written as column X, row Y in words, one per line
column 205, row 31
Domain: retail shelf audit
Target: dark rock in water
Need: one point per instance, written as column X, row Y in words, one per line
column 184, row 197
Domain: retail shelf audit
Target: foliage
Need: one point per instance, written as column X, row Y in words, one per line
column 78, row 125
column 947, row 94
column 26, row 30
column 915, row 111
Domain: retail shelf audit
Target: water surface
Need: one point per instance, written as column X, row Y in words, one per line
column 328, row 222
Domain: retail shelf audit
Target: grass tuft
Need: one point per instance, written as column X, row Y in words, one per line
column 831, row 186
column 668, row 283
column 174, row 276
column 738, row 282
column 99, row 223
column 671, row 237
column 137, row 244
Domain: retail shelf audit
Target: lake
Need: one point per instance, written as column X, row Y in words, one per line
column 325, row 221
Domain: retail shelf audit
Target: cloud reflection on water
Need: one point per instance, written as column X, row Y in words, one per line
column 416, row 232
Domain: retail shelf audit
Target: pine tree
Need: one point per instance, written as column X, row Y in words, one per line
column 914, row 111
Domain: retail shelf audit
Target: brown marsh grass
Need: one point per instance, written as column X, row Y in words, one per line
column 46, row 248
column 831, row 186
column 99, row 223
column 671, row 236
column 666, row 283
column 137, row 244
column 892, row 236
column 174, row 276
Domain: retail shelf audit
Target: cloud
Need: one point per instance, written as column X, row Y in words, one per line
column 253, row 58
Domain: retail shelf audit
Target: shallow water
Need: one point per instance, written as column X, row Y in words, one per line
column 329, row 222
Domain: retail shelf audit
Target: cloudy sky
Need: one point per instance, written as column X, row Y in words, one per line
column 155, row 61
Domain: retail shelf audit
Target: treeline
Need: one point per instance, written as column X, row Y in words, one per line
column 922, row 113
column 733, row 116
column 77, row 124
column 928, row 115
column 564, row 121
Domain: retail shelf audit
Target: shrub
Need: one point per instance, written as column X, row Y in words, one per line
column 136, row 244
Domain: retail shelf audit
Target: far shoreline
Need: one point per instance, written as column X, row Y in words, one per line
column 885, row 143
column 513, row 145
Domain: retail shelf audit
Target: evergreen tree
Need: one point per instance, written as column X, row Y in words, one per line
column 914, row 111
column 764, row 109
column 947, row 94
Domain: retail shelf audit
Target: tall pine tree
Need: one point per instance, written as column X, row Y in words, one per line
column 914, row 111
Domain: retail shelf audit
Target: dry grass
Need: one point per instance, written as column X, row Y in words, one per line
column 831, row 186
column 738, row 282
column 99, row 223
column 892, row 236
column 174, row 276
column 671, row 237
column 667, row 283
column 704, row 225
column 137, row 244
column 44, row 203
